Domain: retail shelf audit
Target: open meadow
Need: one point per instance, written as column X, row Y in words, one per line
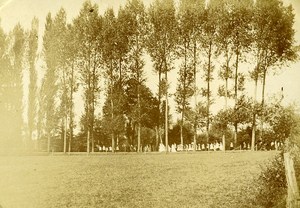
column 204, row 179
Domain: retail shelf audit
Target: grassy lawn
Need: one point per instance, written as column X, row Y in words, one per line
column 203, row 179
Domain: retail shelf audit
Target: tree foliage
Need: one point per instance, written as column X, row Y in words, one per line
column 103, row 58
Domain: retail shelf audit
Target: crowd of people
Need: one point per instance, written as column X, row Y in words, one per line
column 216, row 146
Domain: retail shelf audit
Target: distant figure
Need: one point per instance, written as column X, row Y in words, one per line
column 161, row 147
column 231, row 146
column 173, row 148
column 217, row 146
column 211, row 147
column 272, row 145
column 221, row 146
column 244, row 145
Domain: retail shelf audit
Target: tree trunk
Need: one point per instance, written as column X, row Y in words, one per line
column 65, row 111
column 226, row 97
column 112, row 134
column 138, row 98
column 113, row 142
column 88, row 140
column 236, row 96
column 112, row 109
column 235, row 134
column 208, row 91
column 254, row 118
column 166, row 114
column 71, row 134
column 156, row 138
column 88, row 115
column 159, row 102
column 181, row 129
column 184, row 93
column 262, row 104
column 71, row 108
column 65, row 133
column 139, row 121
column 139, row 137
column 92, row 123
column 195, row 88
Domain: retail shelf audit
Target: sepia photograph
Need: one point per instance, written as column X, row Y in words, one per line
column 150, row 103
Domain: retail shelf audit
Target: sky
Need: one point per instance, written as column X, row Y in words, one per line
column 23, row 11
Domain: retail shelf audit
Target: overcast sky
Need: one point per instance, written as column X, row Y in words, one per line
column 14, row 11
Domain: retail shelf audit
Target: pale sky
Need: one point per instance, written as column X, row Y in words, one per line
column 14, row 11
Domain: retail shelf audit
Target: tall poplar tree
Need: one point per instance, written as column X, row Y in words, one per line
column 6, row 87
column 273, row 41
column 110, row 60
column 208, row 43
column 88, row 27
column 189, row 24
column 70, row 65
column 135, row 16
column 32, row 91
column 240, row 14
column 49, row 88
column 16, row 96
column 162, row 43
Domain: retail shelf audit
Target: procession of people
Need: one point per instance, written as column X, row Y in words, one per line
column 213, row 146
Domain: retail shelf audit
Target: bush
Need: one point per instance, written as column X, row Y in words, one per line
column 271, row 186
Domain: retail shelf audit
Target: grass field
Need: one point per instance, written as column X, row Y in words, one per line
column 203, row 179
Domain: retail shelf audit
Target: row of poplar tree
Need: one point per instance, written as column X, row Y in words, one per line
column 106, row 53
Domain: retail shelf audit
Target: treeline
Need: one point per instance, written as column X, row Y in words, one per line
column 103, row 56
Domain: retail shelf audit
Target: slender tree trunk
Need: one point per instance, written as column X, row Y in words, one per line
column 92, row 124
column 94, row 86
column 112, row 108
column 236, row 96
column 139, row 116
column 226, row 97
column 71, row 108
column 195, row 88
column 263, row 104
column 254, row 117
column 88, row 140
column 208, row 91
column 92, row 136
column 88, row 122
column 156, row 138
column 166, row 114
column 181, row 129
column 139, row 137
column 138, row 96
column 112, row 134
column 64, row 119
column 184, row 93
column 226, row 93
column 159, row 102
column 71, row 134
column 113, row 142
column 88, row 127
column 65, row 133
